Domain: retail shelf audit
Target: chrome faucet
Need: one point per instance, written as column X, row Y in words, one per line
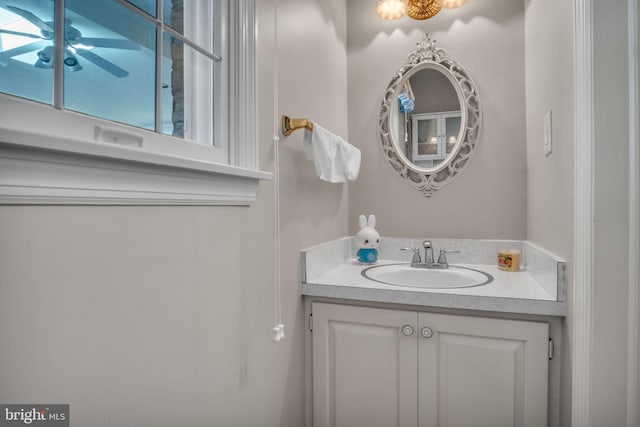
column 428, row 251
column 428, row 256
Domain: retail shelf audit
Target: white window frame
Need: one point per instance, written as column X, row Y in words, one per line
column 46, row 156
column 441, row 130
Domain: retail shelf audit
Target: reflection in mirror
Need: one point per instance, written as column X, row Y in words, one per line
column 429, row 125
column 429, row 118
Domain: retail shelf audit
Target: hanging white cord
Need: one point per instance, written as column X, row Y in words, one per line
column 278, row 329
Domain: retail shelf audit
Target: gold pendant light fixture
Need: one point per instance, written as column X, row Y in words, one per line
column 416, row 9
column 423, row 9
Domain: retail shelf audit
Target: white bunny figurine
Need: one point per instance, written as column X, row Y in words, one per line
column 368, row 240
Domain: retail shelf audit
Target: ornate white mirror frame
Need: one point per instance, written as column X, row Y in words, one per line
column 428, row 56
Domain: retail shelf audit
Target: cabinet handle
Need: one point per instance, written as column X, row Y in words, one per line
column 426, row 332
column 407, row 330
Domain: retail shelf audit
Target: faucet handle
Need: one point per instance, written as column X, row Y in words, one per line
column 442, row 259
column 416, row 254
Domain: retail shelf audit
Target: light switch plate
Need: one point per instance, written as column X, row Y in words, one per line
column 547, row 133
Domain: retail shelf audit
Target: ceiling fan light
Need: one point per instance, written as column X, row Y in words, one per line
column 452, row 4
column 423, row 9
column 391, row 9
column 76, row 67
column 45, row 55
column 70, row 61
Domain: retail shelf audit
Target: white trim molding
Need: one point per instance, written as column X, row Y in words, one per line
column 32, row 172
column 581, row 303
column 633, row 392
column 243, row 99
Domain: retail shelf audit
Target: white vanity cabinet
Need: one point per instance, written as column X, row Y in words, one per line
column 380, row 367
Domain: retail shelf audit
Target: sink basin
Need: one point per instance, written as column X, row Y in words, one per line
column 405, row 275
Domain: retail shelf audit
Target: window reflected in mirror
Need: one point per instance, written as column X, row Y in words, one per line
column 429, row 118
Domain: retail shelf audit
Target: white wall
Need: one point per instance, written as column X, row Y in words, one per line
column 162, row 316
column 611, row 210
column 488, row 200
column 549, row 86
column 549, row 83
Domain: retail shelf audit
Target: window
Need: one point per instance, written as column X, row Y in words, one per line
column 139, row 81
column 434, row 137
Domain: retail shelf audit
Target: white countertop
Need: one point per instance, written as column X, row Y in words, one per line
column 516, row 292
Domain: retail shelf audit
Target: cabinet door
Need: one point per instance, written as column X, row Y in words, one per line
column 482, row 372
column 364, row 367
column 451, row 132
column 427, row 129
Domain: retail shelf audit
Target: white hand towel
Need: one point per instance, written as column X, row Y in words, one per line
column 334, row 158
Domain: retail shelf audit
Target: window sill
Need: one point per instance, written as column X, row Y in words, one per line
column 40, row 169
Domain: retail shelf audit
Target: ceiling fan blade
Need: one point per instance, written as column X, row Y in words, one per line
column 110, row 43
column 106, row 65
column 31, row 18
column 18, row 33
column 8, row 54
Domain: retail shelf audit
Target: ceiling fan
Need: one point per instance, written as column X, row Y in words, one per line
column 74, row 43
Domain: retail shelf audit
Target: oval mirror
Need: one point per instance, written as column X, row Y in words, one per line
column 429, row 118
